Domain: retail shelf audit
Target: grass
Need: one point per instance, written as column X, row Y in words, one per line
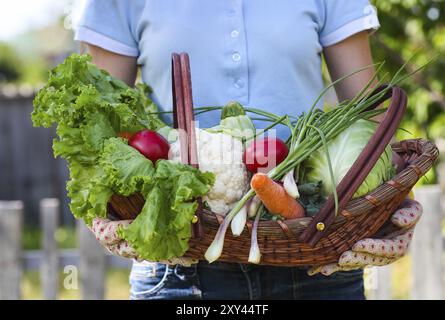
column 116, row 286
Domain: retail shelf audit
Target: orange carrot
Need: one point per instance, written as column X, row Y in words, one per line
column 275, row 197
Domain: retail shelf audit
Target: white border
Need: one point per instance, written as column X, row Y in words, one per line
column 353, row 27
column 95, row 38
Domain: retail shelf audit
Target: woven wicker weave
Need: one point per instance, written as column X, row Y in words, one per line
column 280, row 241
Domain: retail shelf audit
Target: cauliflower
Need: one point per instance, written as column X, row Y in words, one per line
column 222, row 155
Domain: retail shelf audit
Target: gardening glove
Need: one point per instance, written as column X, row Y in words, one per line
column 106, row 232
column 379, row 252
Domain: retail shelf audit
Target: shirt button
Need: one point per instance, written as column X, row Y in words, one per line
column 239, row 83
column 236, row 57
column 234, row 33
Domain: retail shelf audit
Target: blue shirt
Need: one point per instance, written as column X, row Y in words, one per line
column 264, row 54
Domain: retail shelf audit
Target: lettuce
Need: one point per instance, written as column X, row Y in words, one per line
column 162, row 229
column 126, row 170
column 90, row 108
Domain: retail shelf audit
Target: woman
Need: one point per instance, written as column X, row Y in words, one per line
column 265, row 54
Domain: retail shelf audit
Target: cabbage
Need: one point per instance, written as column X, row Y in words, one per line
column 343, row 151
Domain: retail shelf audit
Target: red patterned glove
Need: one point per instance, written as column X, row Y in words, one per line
column 106, row 233
column 379, row 252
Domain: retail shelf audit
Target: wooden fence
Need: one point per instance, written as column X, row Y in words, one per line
column 28, row 170
column 92, row 260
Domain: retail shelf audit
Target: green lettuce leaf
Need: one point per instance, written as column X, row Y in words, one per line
column 88, row 106
column 163, row 228
column 89, row 196
column 126, row 170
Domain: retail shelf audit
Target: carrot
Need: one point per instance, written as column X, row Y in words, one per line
column 275, row 197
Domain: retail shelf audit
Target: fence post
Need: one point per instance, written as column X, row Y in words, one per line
column 49, row 268
column 92, row 264
column 11, row 213
column 379, row 282
column 427, row 246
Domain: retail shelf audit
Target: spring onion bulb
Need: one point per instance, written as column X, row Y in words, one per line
column 253, row 206
column 255, row 254
column 290, row 185
column 239, row 221
column 215, row 249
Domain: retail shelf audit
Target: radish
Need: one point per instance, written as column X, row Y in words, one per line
column 264, row 154
column 151, row 144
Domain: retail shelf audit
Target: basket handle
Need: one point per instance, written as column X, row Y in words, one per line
column 363, row 164
column 183, row 120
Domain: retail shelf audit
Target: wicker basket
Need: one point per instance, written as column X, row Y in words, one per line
column 280, row 241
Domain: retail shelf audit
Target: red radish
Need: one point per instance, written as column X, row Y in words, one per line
column 151, row 144
column 125, row 134
column 264, row 154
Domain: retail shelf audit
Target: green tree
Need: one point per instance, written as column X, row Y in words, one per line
column 409, row 26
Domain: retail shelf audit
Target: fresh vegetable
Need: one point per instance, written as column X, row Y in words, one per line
column 163, row 228
column 263, row 154
column 90, row 109
column 254, row 253
column 311, row 198
column 275, row 198
column 151, row 144
column 235, row 122
column 89, row 106
column 254, row 205
column 239, row 222
column 343, row 151
column 290, row 185
column 220, row 154
column 308, row 134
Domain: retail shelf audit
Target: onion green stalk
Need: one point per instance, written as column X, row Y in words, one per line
column 331, row 173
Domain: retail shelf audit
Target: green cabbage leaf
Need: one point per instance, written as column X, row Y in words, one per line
column 343, row 151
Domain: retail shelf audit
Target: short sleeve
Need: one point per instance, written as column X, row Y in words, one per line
column 341, row 19
column 111, row 25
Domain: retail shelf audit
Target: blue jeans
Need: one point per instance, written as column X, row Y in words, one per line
column 219, row 280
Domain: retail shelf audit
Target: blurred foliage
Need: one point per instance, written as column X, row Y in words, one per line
column 21, row 67
column 32, row 238
column 408, row 27
column 10, row 70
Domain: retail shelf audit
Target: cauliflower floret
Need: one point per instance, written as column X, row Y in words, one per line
column 222, row 155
